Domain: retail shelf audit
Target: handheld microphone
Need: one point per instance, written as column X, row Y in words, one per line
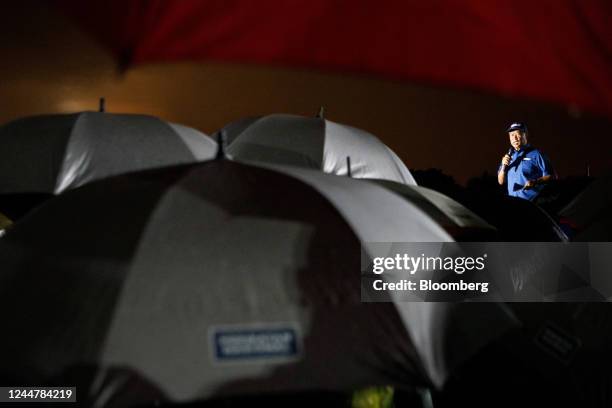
column 509, row 154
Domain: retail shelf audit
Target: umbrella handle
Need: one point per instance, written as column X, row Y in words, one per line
column 220, row 146
column 348, row 166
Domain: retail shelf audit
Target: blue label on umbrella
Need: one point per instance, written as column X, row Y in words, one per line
column 233, row 344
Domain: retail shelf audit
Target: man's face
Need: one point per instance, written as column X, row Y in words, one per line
column 517, row 139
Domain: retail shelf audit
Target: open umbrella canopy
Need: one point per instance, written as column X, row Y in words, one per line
column 517, row 219
column 219, row 279
column 590, row 212
column 315, row 143
column 549, row 50
column 460, row 222
column 210, row 279
column 53, row 153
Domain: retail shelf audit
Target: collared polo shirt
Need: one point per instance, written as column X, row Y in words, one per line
column 526, row 164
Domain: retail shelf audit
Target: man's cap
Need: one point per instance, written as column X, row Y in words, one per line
column 517, row 126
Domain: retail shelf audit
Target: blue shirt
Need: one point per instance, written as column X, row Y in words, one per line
column 526, row 164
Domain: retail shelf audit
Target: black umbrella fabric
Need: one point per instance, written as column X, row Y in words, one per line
column 517, row 220
column 591, row 211
column 206, row 280
column 315, row 143
column 48, row 154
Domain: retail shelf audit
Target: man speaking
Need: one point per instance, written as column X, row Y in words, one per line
column 526, row 169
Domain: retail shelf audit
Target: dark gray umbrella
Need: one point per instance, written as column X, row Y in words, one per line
column 591, row 211
column 460, row 222
column 516, row 219
column 53, row 153
column 218, row 279
column 211, row 279
column 315, row 143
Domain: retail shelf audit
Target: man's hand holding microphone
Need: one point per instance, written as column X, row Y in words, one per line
column 506, row 159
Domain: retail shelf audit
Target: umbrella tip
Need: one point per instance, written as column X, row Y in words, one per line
column 321, row 114
column 102, row 105
column 348, row 166
column 220, row 146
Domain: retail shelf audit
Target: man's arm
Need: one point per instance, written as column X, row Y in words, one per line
column 501, row 173
column 532, row 183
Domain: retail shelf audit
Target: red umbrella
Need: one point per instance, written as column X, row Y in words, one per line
column 547, row 50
